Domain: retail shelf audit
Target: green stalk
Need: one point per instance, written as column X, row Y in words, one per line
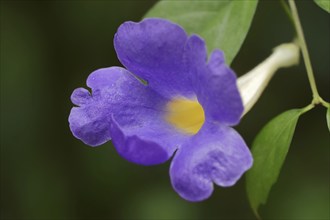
column 302, row 43
column 287, row 10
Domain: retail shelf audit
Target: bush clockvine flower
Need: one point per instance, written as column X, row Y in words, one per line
column 187, row 107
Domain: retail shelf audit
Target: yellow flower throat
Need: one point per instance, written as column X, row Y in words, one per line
column 185, row 115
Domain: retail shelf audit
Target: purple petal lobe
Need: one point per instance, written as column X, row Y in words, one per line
column 80, row 96
column 214, row 83
column 132, row 114
column 90, row 124
column 106, row 77
column 217, row 154
column 153, row 50
column 142, row 149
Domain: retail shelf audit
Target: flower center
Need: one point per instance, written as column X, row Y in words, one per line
column 185, row 115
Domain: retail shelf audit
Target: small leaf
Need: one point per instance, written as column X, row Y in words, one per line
column 269, row 150
column 222, row 24
column 328, row 118
column 324, row 4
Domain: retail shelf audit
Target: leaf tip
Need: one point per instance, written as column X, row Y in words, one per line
column 255, row 210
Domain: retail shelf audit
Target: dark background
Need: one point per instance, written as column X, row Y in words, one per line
column 48, row 48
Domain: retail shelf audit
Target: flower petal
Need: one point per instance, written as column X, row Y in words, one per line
column 216, row 154
column 90, row 122
column 214, row 83
column 153, row 50
column 128, row 111
column 152, row 143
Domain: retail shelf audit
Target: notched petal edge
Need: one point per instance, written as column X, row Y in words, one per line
column 216, row 155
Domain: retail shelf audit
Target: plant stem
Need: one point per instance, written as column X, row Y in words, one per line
column 307, row 108
column 302, row 43
column 287, row 10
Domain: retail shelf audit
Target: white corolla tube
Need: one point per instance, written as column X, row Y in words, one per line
column 252, row 84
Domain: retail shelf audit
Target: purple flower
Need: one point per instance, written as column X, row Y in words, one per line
column 186, row 108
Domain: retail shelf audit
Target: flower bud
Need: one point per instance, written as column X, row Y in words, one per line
column 252, row 84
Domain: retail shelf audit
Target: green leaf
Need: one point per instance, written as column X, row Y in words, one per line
column 324, row 4
column 269, row 150
column 328, row 118
column 222, row 24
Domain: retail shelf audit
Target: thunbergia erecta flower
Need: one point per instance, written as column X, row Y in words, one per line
column 186, row 109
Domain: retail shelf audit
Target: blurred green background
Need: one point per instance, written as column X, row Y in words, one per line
column 48, row 48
